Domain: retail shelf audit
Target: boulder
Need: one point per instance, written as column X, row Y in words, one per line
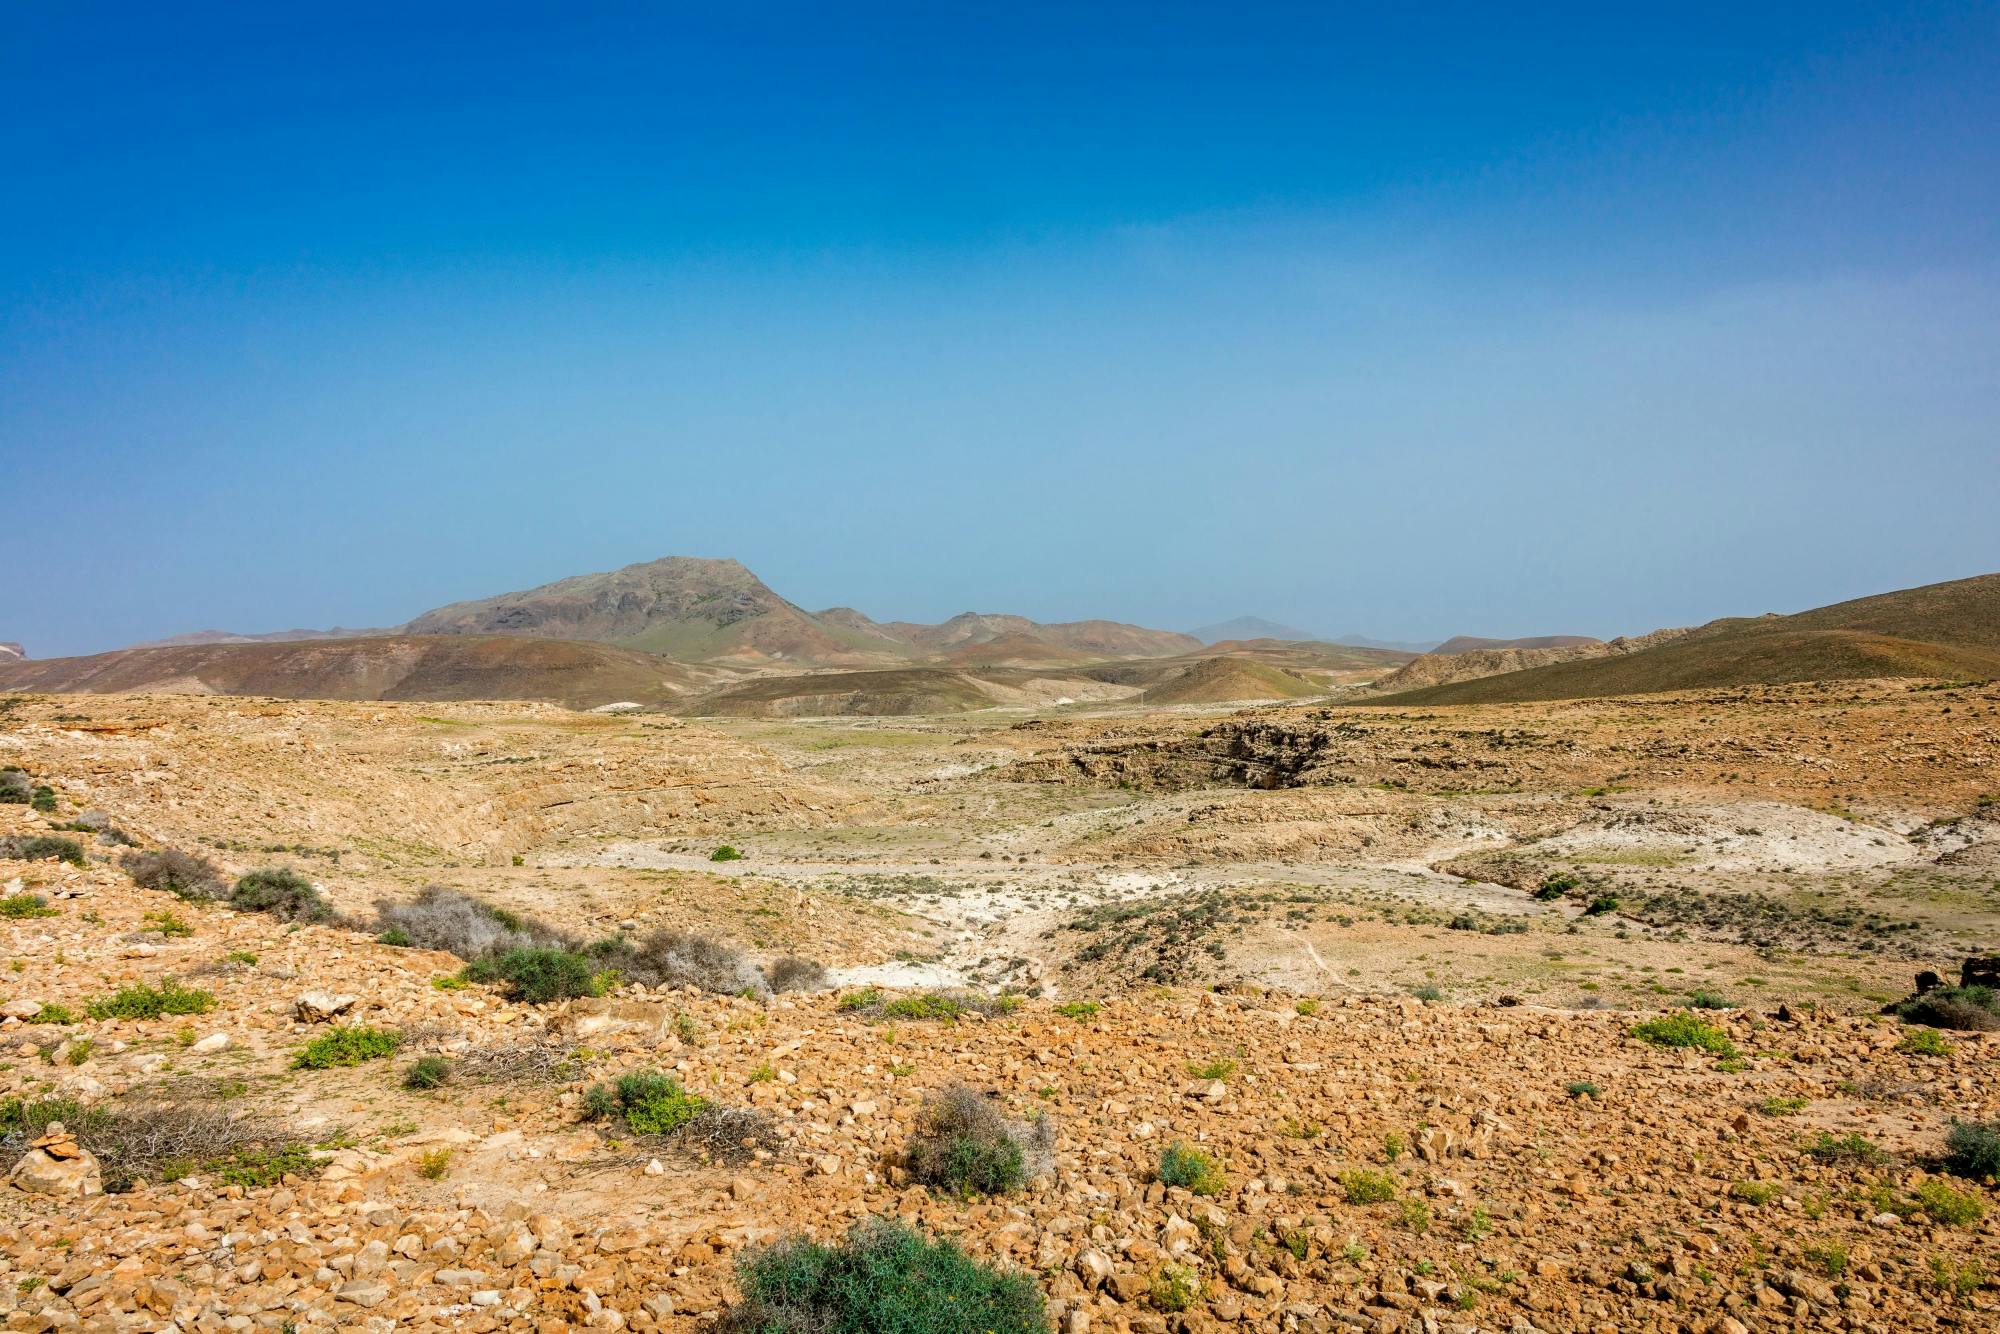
column 57, row 1165
column 318, row 1007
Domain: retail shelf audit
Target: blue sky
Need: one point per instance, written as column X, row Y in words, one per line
column 1481, row 319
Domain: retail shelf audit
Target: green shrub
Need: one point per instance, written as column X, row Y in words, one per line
column 1427, row 992
column 962, row 1145
column 1190, row 1168
column 169, row 924
column 43, row 848
column 1954, row 1208
column 143, row 1001
column 346, row 1046
column 1709, row 1000
column 930, row 1005
column 1556, row 886
column 1078, row 1009
column 1755, row 1192
column 16, row 788
column 540, row 976
column 650, row 1103
column 1602, row 904
column 432, row 1164
column 1957, row 1281
column 1849, row 1149
column 285, row 894
column 1582, row 1088
column 26, row 905
column 1684, row 1030
column 396, row 936
column 179, row 873
column 55, row 1013
column 1972, row 1148
column 1924, row 1042
column 885, row 1278
column 1968, row 1009
column 1780, row 1106
column 1364, row 1186
column 1176, row 1287
column 44, row 800
column 1220, row 1068
column 725, row 853
column 427, row 1072
column 865, row 999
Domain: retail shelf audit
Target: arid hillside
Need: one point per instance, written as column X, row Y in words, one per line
column 1948, row 631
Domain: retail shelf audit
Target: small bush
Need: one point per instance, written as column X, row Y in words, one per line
column 1953, row 1208
column 284, row 894
column 865, row 999
column 170, row 925
column 1556, row 886
column 1602, row 904
column 1957, row 1281
column 791, row 973
column 649, row 1102
column 427, row 1072
column 1972, row 1149
column 395, row 935
column 1078, row 1009
column 26, row 905
column 963, row 1146
column 143, row 1001
column 16, row 788
column 1924, row 1042
column 1176, row 1287
column 1364, row 1186
column 1848, row 1150
column 930, row 1005
column 1684, row 1030
column 55, row 1012
column 43, row 848
column 1966, row 1009
column 179, row 873
column 1220, row 1068
column 884, row 1277
column 1582, row 1088
column 1709, row 1000
column 44, row 799
column 444, row 919
column 683, row 959
column 432, row 1164
column 1190, row 1168
column 1779, row 1106
column 725, row 853
column 539, row 976
column 346, row 1046
column 1306, row 1008
column 1427, row 992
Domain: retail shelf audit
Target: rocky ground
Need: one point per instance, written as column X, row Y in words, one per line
column 1499, row 1158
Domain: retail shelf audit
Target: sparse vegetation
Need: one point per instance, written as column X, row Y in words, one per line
column 540, row 976
column 350, row 1045
column 142, row 1000
column 1972, row 1149
column 1684, row 1030
column 1844, row 1150
column 1924, row 1042
column 1079, row 1009
column 1948, row 1205
column 1968, row 1009
column 43, row 848
column 725, row 853
column 18, row 906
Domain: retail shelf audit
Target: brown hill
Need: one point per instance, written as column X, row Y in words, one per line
column 399, row 667
column 1435, row 669
column 1949, row 630
column 1213, row 680
column 1474, row 644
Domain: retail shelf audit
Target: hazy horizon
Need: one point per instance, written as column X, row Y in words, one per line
column 1454, row 322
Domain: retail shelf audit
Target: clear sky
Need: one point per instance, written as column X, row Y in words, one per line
column 1405, row 320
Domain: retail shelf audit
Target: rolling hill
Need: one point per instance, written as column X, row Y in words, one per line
column 397, row 667
column 1474, row 644
column 1948, row 630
